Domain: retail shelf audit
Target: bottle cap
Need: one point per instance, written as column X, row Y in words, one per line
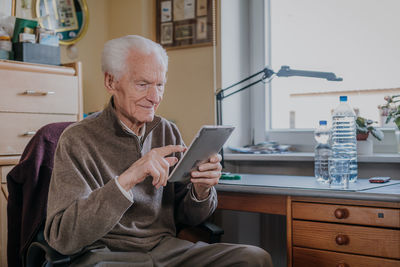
column 343, row 98
column 322, row 123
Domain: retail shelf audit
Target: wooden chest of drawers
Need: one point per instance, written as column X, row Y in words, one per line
column 328, row 234
column 31, row 96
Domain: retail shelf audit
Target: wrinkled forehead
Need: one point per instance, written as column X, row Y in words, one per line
column 149, row 59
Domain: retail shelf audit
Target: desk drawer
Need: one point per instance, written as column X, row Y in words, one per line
column 347, row 238
column 384, row 217
column 22, row 91
column 18, row 128
column 304, row 257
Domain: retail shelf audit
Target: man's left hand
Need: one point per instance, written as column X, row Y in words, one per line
column 206, row 176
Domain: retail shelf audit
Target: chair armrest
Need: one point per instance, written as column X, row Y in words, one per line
column 39, row 250
column 212, row 228
column 206, row 232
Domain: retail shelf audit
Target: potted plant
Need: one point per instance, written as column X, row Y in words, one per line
column 365, row 127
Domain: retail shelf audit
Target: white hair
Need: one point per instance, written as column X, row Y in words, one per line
column 116, row 51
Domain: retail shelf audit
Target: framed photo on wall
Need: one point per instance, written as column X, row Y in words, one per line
column 185, row 23
column 24, row 9
column 7, row 7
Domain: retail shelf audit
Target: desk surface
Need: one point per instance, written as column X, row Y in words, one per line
column 309, row 156
column 307, row 186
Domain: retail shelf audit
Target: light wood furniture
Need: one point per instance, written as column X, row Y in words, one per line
column 332, row 233
column 31, row 96
column 342, row 229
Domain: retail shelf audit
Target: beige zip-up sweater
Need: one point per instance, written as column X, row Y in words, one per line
column 86, row 207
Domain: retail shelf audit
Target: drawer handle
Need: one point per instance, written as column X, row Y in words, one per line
column 342, row 264
column 342, row 239
column 341, row 213
column 29, row 133
column 38, row 93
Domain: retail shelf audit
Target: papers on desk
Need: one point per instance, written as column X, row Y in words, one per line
column 263, row 148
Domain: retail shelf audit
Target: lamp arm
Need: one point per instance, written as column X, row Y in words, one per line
column 239, row 82
column 286, row 71
column 267, row 74
column 242, row 89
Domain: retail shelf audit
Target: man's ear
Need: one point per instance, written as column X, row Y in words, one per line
column 109, row 82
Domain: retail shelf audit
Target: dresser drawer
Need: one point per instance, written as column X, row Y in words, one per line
column 22, row 91
column 347, row 238
column 304, row 257
column 18, row 128
column 384, row 217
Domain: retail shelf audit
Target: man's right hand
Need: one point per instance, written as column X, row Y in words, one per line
column 155, row 163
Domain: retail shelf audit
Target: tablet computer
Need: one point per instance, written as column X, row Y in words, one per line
column 208, row 141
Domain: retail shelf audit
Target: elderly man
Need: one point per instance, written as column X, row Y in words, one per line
column 109, row 195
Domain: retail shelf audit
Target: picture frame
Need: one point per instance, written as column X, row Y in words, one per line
column 7, row 7
column 185, row 23
column 24, row 9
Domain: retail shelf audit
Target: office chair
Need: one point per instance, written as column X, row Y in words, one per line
column 28, row 185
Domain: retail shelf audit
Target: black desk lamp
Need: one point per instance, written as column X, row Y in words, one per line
column 268, row 75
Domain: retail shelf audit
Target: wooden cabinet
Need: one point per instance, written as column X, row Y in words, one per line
column 31, row 96
column 330, row 234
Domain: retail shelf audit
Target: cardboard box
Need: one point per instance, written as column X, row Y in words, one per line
column 37, row 53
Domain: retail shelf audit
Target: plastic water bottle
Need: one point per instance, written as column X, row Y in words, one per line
column 344, row 142
column 322, row 152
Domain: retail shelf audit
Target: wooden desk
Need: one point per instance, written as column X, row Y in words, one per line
column 355, row 227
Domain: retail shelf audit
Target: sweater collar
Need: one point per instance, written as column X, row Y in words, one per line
column 111, row 116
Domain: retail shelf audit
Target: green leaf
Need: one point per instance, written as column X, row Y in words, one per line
column 362, row 129
column 388, row 118
column 360, row 121
column 360, row 125
column 369, row 122
column 378, row 134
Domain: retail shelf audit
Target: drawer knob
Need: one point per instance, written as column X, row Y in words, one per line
column 342, row 239
column 341, row 213
column 342, row 264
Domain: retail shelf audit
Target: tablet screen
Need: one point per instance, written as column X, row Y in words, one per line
column 208, row 141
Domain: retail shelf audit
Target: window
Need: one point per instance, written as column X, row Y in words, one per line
column 358, row 40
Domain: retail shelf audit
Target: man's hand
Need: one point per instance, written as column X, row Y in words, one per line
column 207, row 176
column 155, row 164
